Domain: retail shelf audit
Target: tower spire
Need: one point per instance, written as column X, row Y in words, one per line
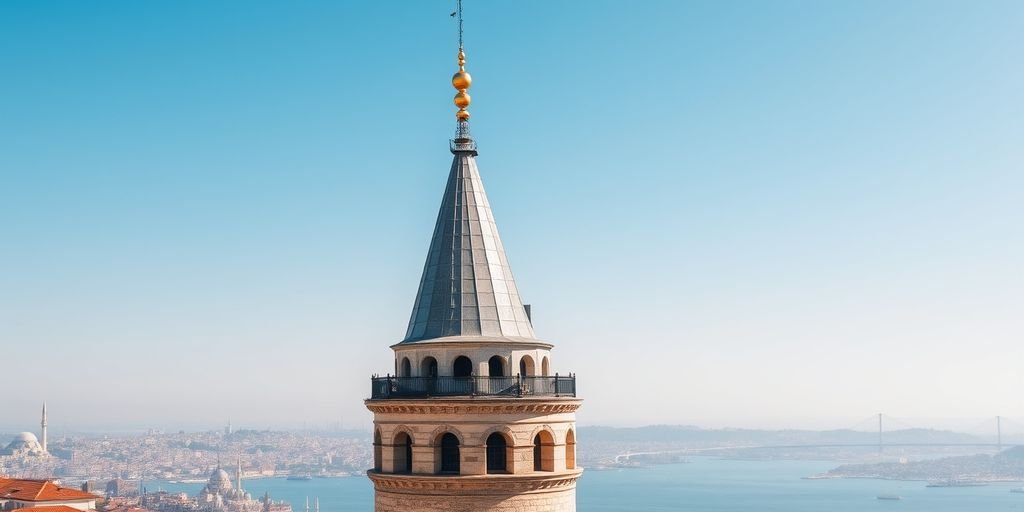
column 468, row 305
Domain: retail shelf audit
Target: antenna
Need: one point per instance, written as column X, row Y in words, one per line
column 458, row 9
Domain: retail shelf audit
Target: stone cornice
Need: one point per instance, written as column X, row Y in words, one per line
column 462, row 342
column 473, row 484
column 475, row 406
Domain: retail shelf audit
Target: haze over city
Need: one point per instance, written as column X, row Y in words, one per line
column 724, row 214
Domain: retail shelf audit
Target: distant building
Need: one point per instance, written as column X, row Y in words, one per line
column 120, row 487
column 91, row 486
column 26, row 444
column 219, row 492
column 43, row 494
column 220, row 495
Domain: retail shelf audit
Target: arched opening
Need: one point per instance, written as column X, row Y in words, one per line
column 462, row 367
column 402, row 454
column 378, row 450
column 497, row 453
column 527, row 367
column 545, row 366
column 496, row 366
column 406, row 370
column 428, row 367
column 449, row 454
column 570, row 450
column 543, row 451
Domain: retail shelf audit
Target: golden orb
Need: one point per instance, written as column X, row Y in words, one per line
column 462, row 80
column 462, row 99
column 462, row 114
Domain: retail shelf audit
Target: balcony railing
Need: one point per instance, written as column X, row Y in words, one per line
column 515, row 386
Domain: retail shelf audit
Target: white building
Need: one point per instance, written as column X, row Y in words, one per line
column 26, row 444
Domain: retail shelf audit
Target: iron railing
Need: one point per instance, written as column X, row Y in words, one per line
column 515, row 386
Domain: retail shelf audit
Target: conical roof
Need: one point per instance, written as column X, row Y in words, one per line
column 467, row 288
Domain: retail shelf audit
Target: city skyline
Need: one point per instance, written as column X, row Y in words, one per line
column 220, row 211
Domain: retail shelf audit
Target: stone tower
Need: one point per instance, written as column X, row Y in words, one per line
column 474, row 419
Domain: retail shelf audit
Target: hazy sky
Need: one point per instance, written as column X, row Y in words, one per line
column 723, row 213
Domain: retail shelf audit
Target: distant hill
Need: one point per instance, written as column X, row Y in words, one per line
column 1005, row 465
column 684, row 434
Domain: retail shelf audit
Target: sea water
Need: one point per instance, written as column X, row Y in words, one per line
column 704, row 484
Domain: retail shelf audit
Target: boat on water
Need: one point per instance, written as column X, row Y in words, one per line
column 300, row 477
column 956, row 483
column 889, row 497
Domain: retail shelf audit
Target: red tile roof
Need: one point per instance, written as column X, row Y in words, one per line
column 39, row 491
column 53, row 508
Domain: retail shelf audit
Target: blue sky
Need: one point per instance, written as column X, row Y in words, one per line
column 780, row 213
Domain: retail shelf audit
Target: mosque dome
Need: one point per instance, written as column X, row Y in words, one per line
column 26, row 437
column 24, row 443
column 219, row 481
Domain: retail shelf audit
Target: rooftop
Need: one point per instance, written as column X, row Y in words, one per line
column 39, row 491
column 467, row 288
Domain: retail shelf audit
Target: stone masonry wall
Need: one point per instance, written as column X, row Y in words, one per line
column 556, row 501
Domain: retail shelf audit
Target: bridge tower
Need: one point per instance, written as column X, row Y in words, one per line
column 474, row 418
column 879, row 433
column 999, row 433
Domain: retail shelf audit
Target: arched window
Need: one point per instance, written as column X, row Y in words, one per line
column 428, row 367
column 377, row 450
column 406, row 370
column 570, row 450
column 545, row 367
column 497, row 458
column 402, row 454
column 496, row 366
column 526, row 367
column 462, row 367
column 543, row 451
column 449, row 454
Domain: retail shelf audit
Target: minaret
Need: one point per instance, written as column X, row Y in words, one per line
column 475, row 419
column 43, row 425
column 238, row 474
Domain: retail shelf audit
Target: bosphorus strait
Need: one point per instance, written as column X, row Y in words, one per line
column 705, row 484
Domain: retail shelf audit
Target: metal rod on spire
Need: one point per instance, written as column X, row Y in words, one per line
column 459, row 10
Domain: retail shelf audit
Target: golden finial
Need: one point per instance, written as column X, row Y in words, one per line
column 461, row 80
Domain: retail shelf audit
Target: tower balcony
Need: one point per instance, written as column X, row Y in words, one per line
column 382, row 388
